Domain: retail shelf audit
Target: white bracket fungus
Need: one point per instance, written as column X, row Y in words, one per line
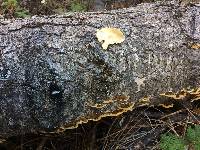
column 109, row 36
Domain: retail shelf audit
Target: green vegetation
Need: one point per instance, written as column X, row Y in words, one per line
column 78, row 6
column 21, row 13
column 17, row 9
column 173, row 142
column 11, row 8
column 25, row 8
column 193, row 136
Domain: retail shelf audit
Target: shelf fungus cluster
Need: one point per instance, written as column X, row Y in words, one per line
column 184, row 97
column 120, row 104
column 194, row 94
column 116, row 105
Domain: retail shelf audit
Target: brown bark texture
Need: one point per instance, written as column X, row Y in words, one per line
column 54, row 74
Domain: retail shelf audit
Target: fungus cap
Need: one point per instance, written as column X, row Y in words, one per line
column 109, row 36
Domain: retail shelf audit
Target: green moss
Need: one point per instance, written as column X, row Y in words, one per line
column 193, row 136
column 78, row 6
column 173, row 142
column 21, row 13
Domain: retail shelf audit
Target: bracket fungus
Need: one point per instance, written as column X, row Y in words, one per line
column 109, row 36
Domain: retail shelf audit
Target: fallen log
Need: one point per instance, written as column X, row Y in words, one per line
column 55, row 75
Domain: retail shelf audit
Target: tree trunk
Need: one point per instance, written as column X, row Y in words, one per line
column 54, row 74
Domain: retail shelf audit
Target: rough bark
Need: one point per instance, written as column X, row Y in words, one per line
column 55, row 75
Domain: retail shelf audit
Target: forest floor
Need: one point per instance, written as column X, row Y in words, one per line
column 140, row 129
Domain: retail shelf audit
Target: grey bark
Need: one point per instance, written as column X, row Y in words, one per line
column 54, row 73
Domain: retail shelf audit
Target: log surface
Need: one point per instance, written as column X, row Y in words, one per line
column 55, row 75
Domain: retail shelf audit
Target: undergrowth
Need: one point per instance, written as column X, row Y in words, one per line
column 190, row 141
column 76, row 6
column 11, row 8
column 25, row 8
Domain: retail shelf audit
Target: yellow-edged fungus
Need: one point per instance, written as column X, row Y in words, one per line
column 109, row 36
column 196, row 46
